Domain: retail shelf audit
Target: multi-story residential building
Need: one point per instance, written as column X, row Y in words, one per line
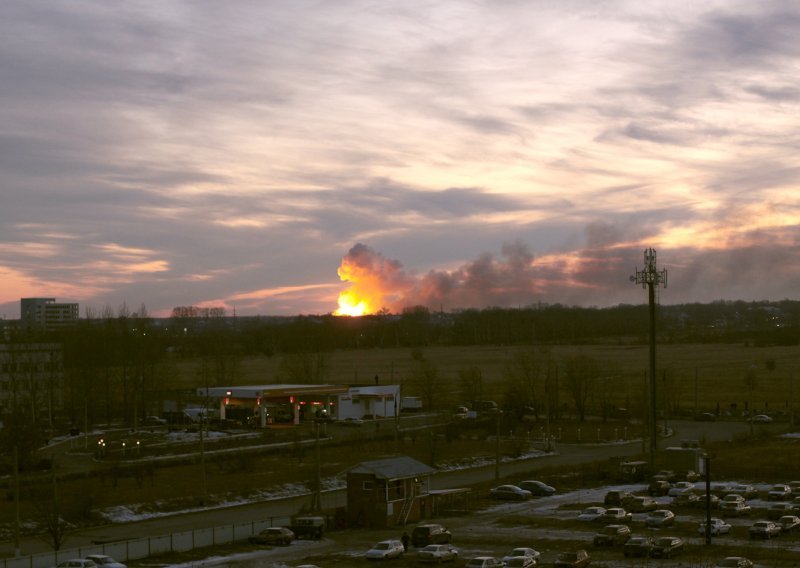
column 31, row 378
column 46, row 315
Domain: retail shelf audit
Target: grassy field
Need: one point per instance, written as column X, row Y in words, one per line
column 698, row 375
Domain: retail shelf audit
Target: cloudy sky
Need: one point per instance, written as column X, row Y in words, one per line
column 456, row 153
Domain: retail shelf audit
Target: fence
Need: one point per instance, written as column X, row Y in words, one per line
column 144, row 547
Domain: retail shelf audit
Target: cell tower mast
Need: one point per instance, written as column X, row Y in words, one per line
column 650, row 277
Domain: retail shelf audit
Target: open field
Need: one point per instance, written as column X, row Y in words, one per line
column 699, row 376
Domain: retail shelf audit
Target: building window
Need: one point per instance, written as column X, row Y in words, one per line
column 366, row 486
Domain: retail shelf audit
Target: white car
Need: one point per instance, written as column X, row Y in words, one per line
column 522, row 551
column 483, row 562
column 718, row 526
column 761, row 419
column 104, row 561
column 659, row 518
column 437, row 553
column 77, row 563
column 386, row 549
column 592, row 514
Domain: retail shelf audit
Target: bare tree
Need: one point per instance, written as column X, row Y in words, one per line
column 425, row 379
column 581, row 373
column 471, row 381
column 305, row 368
column 524, row 376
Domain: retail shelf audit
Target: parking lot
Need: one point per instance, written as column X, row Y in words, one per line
column 550, row 526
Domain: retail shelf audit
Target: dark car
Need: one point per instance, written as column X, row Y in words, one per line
column 667, row 546
column 640, row 504
column 658, row 487
column 611, row 535
column 789, row 523
column 537, row 488
column 576, row 559
column 431, row 533
column 273, row 535
column 510, row 492
column 616, row 498
column 638, row 546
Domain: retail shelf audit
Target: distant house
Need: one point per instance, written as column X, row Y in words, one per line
column 388, row 492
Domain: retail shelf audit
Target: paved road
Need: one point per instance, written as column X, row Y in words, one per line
column 563, row 455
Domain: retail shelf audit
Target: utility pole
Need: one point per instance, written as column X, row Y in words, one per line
column 649, row 277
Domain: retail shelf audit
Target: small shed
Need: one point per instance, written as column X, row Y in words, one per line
column 388, row 492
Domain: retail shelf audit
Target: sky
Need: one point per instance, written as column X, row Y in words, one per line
column 453, row 154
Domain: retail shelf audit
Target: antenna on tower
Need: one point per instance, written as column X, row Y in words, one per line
column 650, row 277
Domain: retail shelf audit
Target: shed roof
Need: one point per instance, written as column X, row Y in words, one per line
column 401, row 467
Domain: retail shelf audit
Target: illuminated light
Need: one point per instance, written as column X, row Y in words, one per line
column 291, row 399
column 228, row 393
column 350, row 305
column 226, row 401
column 302, row 402
column 316, row 403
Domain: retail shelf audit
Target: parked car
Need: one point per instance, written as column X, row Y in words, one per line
column 592, row 514
column 718, row 526
column 351, row 422
column 576, row 559
column 104, row 561
column 641, row 504
column 735, row 562
column 154, row 421
column 437, row 553
column 789, row 523
column 686, row 499
column 273, row 535
column 660, row 518
column 385, row 550
column 705, row 417
column 611, row 535
column 430, row 533
column 777, row 510
column 667, row 546
column 522, row 551
column 680, row 487
column 692, row 475
column 77, row 563
column 511, row 492
column 638, row 546
column 761, row 419
column 617, row 498
column 746, row 491
column 617, row 515
column 667, row 475
column 700, row 502
column 764, row 529
column 520, row 562
column 779, row 492
column 483, row 562
column 537, row 488
column 731, row 498
column 658, row 487
column 735, row 509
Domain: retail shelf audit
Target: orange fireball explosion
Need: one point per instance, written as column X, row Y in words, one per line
column 375, row 282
